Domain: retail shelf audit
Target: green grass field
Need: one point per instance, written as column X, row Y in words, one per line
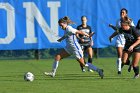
column 69, row 78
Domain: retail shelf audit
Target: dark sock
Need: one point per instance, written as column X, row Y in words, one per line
column 89, row 60
column 128, row 62
column 122, row 65
column 136, row 70
column 81, row 66
column 84, row 61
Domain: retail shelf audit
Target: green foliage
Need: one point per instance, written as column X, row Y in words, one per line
column 50, row 53
column 107, row 52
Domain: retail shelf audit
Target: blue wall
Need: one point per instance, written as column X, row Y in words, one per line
column 32, row 24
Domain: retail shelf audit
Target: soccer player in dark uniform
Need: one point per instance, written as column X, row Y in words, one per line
column 86, row 42
column 120, row 40
column 132, row 45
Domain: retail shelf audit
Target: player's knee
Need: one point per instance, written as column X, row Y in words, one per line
column 81, row 61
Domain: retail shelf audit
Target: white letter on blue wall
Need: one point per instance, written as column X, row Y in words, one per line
column 54, row 15
column 32, row 13
column 10, row 23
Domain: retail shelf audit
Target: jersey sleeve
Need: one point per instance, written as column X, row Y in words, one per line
column 137, row 32
column 71, row 29
column 90, row 30
column 120, row 31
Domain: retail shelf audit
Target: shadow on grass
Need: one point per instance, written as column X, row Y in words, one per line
column 70, row 76
column 86, row 77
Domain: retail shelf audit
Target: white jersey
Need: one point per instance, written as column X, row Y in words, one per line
column 120, row 40
column 72, row 45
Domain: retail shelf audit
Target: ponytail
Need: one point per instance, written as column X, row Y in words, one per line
column 65, row 19
column 126, row 20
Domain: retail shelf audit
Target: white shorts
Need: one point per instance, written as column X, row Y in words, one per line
column 77, row 53
column 119, row 43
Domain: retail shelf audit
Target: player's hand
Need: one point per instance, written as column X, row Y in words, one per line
column 82, row 40
column 87, row 35
column 131, row 49
column 91, row 34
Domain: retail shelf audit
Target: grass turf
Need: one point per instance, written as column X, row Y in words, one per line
column 69, row 78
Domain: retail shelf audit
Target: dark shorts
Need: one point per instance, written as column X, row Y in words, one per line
column 136, row 49
column 85, row 47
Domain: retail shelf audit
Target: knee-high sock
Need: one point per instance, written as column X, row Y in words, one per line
column 55, row 66
column 89, row 60
column 90, row 66
column 136, row 70
column 119, row 62
column 82, row 67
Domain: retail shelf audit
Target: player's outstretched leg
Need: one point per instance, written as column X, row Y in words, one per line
column 99, row 71
column 55, row 66
column 52, row 74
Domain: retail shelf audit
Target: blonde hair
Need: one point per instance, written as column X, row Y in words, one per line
column 126, row 20
column 65, row 19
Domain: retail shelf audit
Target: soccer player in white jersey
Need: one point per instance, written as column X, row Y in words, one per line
column 120, row 40
column 72, row 47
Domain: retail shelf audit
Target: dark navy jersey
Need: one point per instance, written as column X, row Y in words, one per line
column 86, row 30
column 130, row 36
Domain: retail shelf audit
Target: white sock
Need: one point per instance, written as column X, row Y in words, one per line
column 119, row 62
column 55, row 66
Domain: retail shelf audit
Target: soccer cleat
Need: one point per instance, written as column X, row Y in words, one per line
column 119, row 72
column 101, row 74
column 83, row 70
column 52, row 74
column 90, row 70
column 136, row 76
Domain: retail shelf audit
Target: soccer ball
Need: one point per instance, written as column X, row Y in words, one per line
column 28, row 76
